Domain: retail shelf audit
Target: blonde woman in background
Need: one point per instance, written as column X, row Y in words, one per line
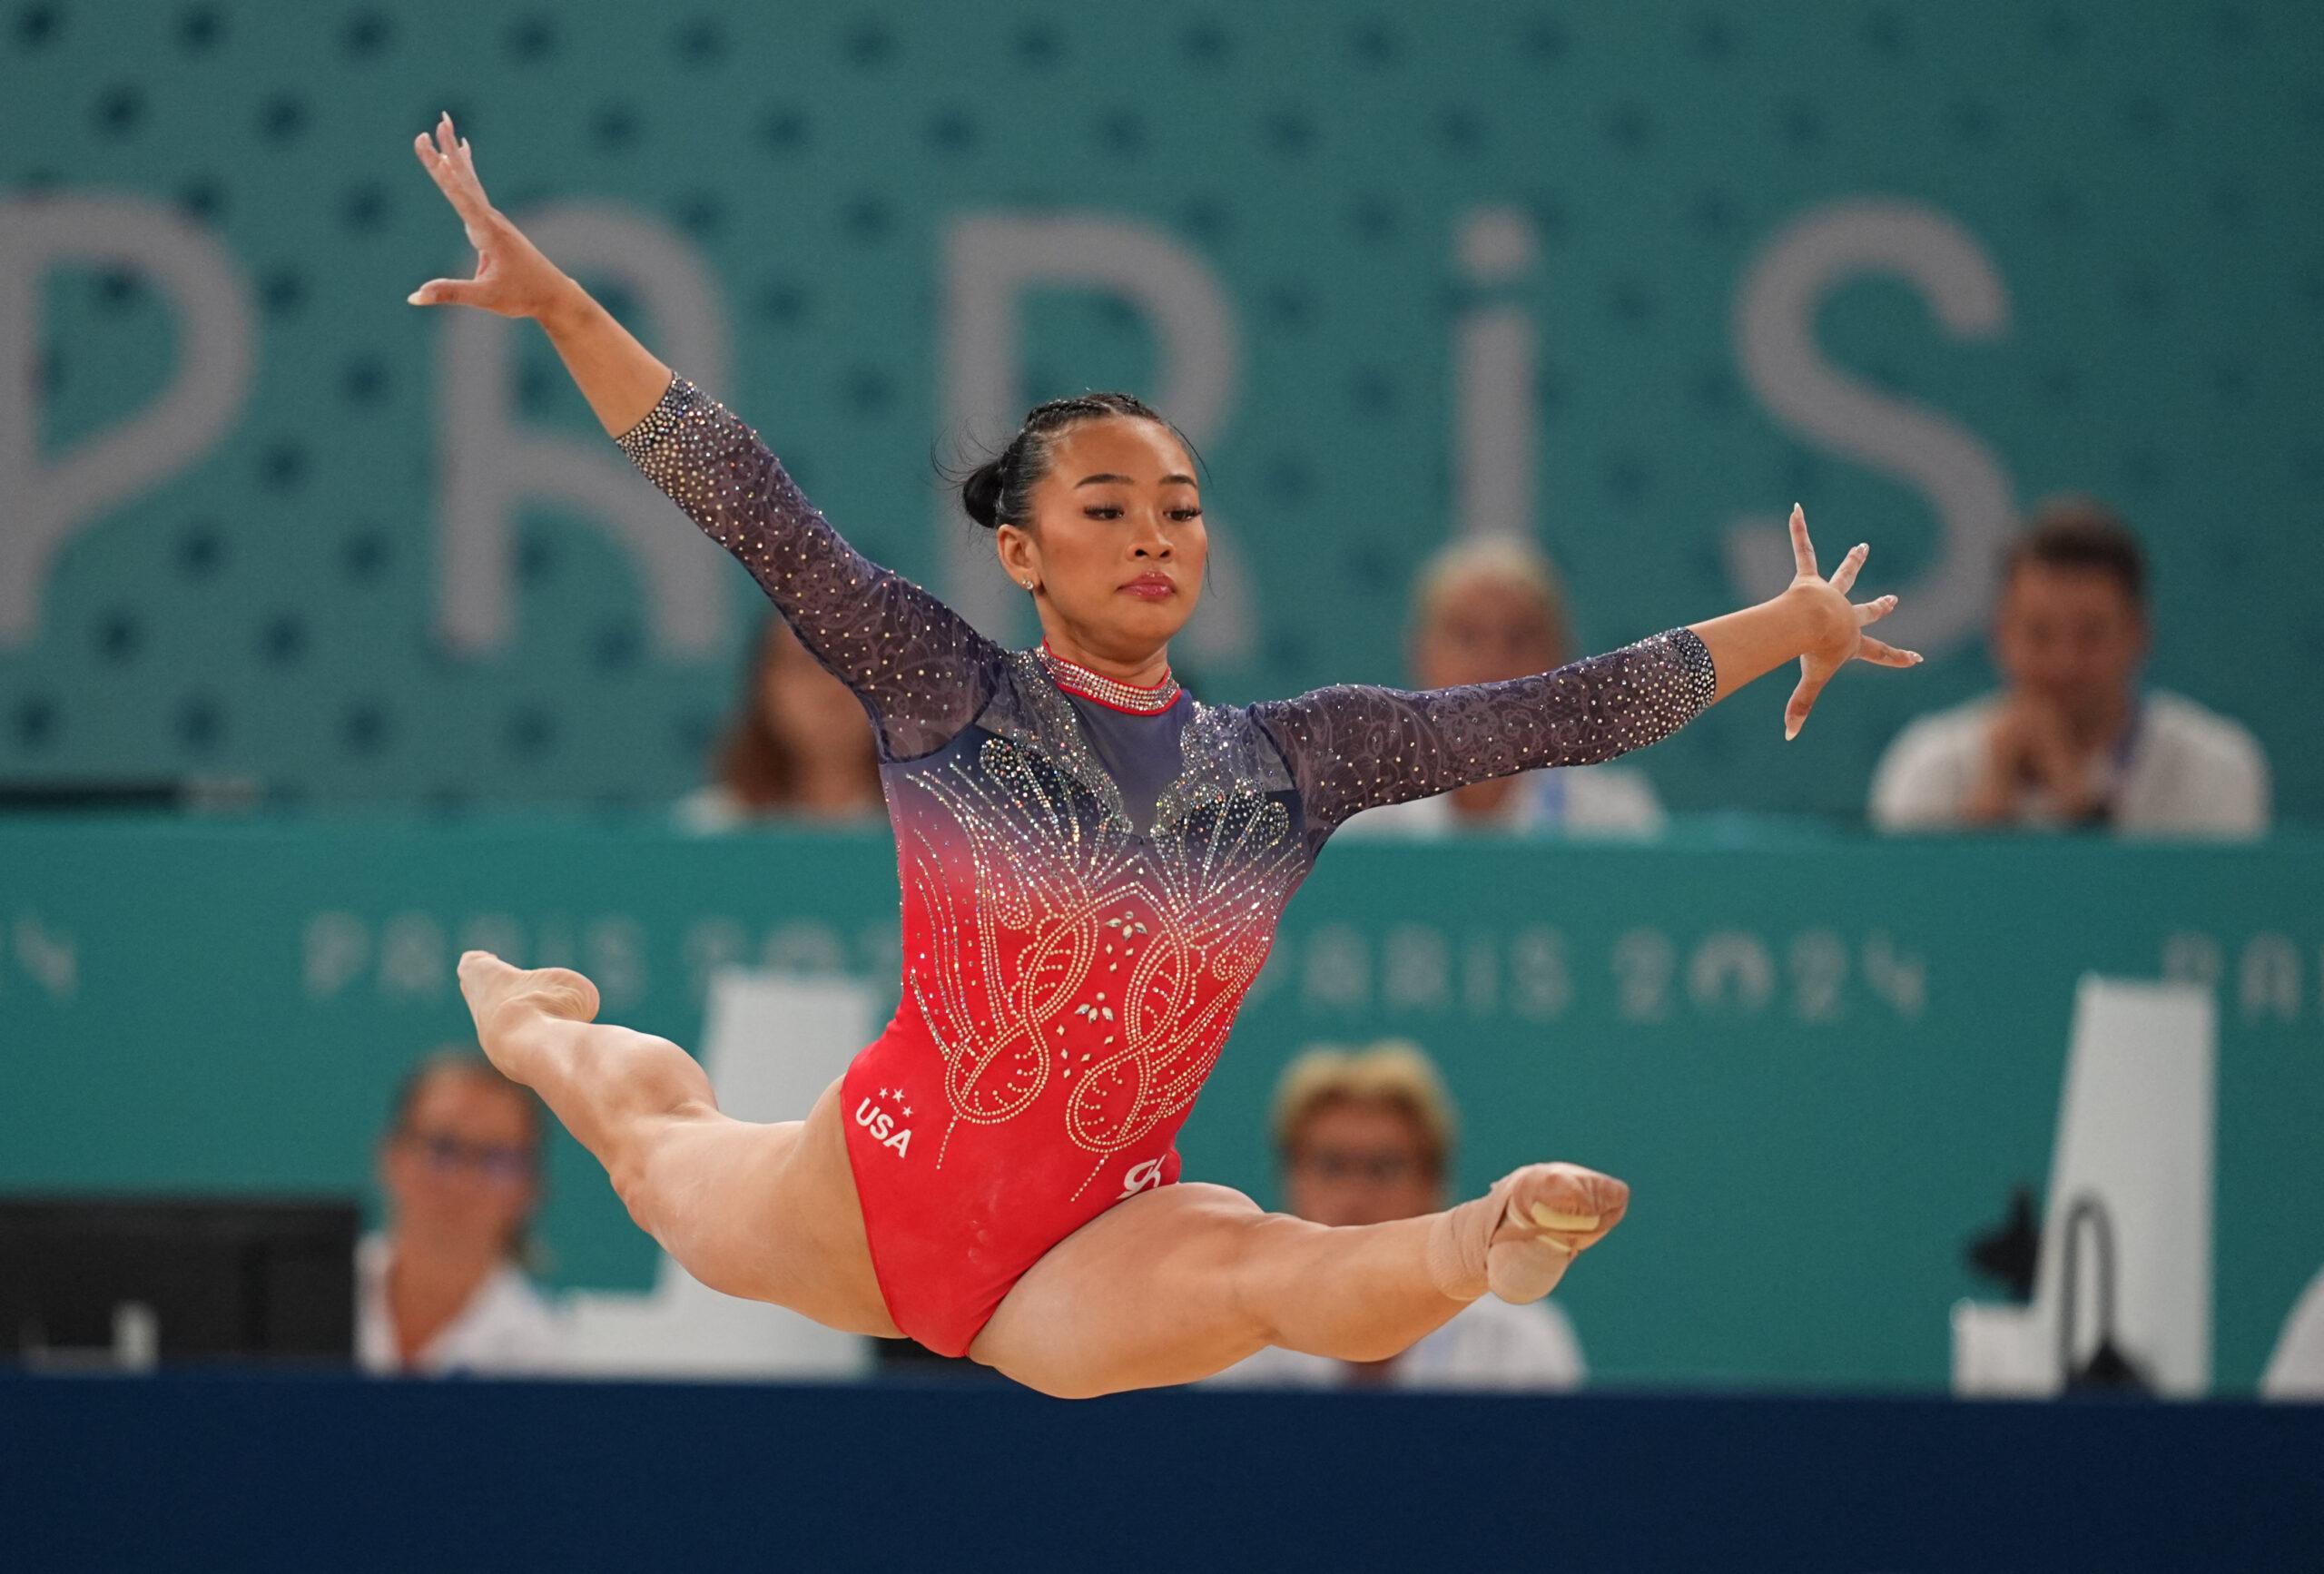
column 1366, row 1137
column 439, row 1290
column 1489, row 609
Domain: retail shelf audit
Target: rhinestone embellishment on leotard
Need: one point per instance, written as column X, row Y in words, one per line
column 1089, row 960
column 921, row 670
column 1076, row 679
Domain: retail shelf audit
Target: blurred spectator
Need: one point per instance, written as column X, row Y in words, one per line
column 439, row 1290
column 1485, row 610
column 2296, row 1371
column 800, row 744
column 2072, row 740
column 1367, row 1137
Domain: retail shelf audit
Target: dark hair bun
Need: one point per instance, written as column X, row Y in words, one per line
column 985, row 493
column 980, row 494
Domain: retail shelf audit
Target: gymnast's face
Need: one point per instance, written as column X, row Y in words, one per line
column 1359, row 1162
column 1115, row 547
column 459, row 1171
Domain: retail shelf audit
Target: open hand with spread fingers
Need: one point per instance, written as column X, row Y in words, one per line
column 1835, row 626
column 512, row 277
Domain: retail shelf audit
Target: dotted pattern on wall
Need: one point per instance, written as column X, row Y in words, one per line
column 2146, row 177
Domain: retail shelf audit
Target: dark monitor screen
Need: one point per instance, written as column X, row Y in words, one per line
column 130, row 1280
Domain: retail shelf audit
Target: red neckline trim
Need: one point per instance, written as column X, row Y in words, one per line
column 1111, row 693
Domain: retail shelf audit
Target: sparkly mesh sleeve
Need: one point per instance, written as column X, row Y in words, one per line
column 918, row 667
column 1354, row 747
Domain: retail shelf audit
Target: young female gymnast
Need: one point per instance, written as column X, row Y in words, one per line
column 1092, row 866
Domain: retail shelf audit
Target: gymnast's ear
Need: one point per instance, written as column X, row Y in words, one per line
column 1019, row 555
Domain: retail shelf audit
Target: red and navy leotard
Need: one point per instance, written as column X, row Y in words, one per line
column 1091, row 873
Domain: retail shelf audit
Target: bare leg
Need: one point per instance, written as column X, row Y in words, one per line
column 1174, row 1284
column 764, row 1212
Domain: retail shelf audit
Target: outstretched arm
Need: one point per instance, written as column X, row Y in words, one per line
column 1355, row 747
column 918, row 667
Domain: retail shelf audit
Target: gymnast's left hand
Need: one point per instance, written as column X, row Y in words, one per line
column 1831, row 626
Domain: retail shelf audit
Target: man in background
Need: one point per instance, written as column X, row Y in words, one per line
column 1365, row 1138
column 2072, row 740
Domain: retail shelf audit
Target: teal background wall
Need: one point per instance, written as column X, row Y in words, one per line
column 2141, row 182
column 1820, row 1062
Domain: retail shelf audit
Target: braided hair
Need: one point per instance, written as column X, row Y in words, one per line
column 1001, row 490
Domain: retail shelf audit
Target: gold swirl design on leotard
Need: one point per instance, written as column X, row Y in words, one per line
column 1223, row 861
column 1090, row 955
column 989, row 985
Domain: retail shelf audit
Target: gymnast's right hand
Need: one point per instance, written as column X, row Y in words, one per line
column 512, row 277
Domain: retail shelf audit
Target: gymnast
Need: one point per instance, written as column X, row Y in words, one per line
column 1092, row 865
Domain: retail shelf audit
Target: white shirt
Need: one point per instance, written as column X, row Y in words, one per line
column 2182, row 771
column 2296, row 1369
column 1489, row 1345
column 505, row 1328
column 1570, row 800
column 714, row 807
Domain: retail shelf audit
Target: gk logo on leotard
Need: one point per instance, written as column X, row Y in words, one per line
column 1144, row 1175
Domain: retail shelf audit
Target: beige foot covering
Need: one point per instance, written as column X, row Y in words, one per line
column 1533, row 1248
column 1516, row 1241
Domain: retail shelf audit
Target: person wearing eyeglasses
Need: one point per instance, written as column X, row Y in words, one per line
column 1366, row 1137
column 439, row 1290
